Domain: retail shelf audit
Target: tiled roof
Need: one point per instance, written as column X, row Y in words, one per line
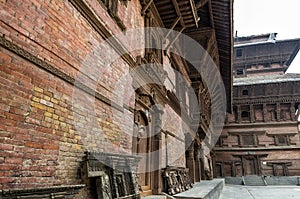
column 266, row 79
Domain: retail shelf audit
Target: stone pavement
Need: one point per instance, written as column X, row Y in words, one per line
column 260, row 192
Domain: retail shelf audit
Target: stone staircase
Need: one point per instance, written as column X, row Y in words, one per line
column 254, row 180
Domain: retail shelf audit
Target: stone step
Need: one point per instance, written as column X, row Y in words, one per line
column 207, row 189
column 254, row 181
column 155, row 197
column 145, row 193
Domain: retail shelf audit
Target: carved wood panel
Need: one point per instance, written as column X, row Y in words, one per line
column 176, row 180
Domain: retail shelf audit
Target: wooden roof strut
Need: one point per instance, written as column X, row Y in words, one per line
column 146, row 7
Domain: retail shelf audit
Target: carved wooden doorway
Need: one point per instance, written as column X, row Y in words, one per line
column 142, row 147
column 250, row 164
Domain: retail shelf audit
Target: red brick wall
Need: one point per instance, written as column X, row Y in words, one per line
column 40, row 146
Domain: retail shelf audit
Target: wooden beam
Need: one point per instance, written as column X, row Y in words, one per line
column 178, row 12
column 195, row 14
column 200, row 32
column 179, row 33
column 172, row 27
column 146, row 7
column 211, row 14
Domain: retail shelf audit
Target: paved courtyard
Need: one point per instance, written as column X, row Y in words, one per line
column 260, row 192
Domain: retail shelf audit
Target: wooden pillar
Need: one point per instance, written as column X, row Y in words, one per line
column 189, row 156
column 156, row 151
column 278, row 111
column 252, row 113
column 191, row 162
column 265, row 115
column 197, row 163
column 293, row 111
column 233, row 169
column 239, row 114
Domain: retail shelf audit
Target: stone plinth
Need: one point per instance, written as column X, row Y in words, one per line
column 210, row 189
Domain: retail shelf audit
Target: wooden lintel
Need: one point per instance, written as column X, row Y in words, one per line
column 146, row 7
column 200, row 32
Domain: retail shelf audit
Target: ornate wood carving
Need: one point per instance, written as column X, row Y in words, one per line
column 115, row 173
column 276, row 166
column 55, row 192
column 112, row 9
column 176, row 180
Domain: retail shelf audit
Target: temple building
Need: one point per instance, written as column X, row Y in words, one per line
column 123, row 98
column 261, row 136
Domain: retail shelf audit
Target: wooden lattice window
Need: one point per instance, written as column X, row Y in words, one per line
column 248, row 140
column 245, row 92
column 245, row 115
column 112, row 9
column 282, row 140
column 239, row 52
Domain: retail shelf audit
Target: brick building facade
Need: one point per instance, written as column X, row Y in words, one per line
column 62, row 117
column 261, row 136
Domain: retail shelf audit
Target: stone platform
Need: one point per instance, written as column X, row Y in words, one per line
column 208, row 189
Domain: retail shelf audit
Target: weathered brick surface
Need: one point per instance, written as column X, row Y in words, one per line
column 40, row 145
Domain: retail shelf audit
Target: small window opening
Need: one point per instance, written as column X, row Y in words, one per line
column 245, row 92
column 239, row 52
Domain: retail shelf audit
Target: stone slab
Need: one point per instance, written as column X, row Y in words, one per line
column 155, row 197
column 260, row 192
column 208, row 189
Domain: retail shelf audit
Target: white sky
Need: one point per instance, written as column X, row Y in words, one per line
column 255, row 17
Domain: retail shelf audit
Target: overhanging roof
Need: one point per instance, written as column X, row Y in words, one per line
column 223, row 21
column 216, row 17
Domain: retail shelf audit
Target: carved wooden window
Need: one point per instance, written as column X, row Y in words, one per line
column 247, row 140
column 235, row 92
column 240, row 72
column 239, row 52
column 221, row 140
column 245, row 115
column 258, row 90
column 112, row 9
column 280, row 168
column 153, row 52
column 282, row 140
column 245, row 92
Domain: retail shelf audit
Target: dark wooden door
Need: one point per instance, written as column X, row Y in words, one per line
column 249, row 166
column 142, row 148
